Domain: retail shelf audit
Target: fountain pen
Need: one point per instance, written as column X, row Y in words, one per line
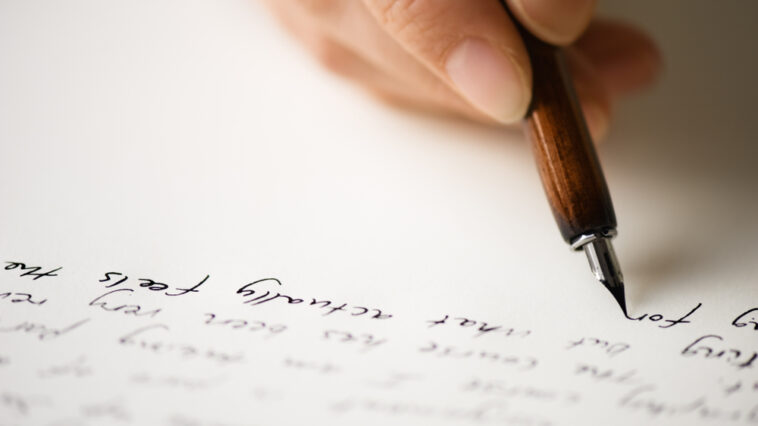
column 568, row 164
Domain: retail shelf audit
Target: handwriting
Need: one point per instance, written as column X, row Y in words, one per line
column 671, row 323
column 523, row 363
column 319, row 367
column 106, row 410
column 134, row 310
column 31, row 271
column 489, row 412
column 42, row 331
column 247, row 291
column 739, row 386
column 609, row 375
column 76, row 368
column 366, row 340
column 137, row 339
column 175, row 381
column 609, row 348
column 732, row 356
column 530, row 392
column 640, row 399
column 742, row 319
column 151, row 284
column 481, row 327
column 20, row 298
column 240, row 324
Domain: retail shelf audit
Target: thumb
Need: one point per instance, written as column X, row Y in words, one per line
column 471, row 45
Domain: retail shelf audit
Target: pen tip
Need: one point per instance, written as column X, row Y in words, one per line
column 618, row 294
column 606, row 269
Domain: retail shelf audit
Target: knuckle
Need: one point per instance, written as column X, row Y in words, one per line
column 416, row 22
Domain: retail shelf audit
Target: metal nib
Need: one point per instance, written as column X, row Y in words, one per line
column 606, row 268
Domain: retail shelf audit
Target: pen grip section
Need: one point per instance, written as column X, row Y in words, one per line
column 566, row 159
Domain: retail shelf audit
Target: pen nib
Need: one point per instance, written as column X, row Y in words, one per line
column 606, row 268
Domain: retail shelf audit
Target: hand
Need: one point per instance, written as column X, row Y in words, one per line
column 466, row 57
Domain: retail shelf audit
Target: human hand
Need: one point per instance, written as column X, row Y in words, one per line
column 466, row 57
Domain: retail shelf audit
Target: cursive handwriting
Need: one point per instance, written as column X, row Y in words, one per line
column 21, row 298
column 268, row 296
column 481, row 327
column 117, row 278
column 135, row 310
column 43, row 332
column 31, row 271
column 670, row 323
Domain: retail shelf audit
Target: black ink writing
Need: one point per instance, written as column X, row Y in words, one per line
column 668, row 322
column 710, row 347
column 328, row 306
column 365, row 340
column 105, row 303
column 112, row 279
column 31, row 271
column 43, row 332
column 522, row 363
column 138, row 339
column 249, row 325
column 609, row 348
column 21, row 298
column 747, row 318
column 480, row 327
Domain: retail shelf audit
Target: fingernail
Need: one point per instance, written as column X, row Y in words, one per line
column 556, row 21
column 491, row 81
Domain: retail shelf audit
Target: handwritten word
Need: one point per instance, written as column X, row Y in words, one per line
column 356, row 311
column 607, row 375
column 393, row 380
column 240, row 324
column 42, row 331
column 740, row 386
column 742, row 319
column 31, row 271
column 529, row 392
column 106, row 410
column 367, row 341
column 134, row 310
column 610, row 348
column 319, row 367
column 15, row 402
column 639, row 399
column 151, row 284
column 487, row 412
column 20, row 298
column 671, row 323
column 188, row 383
column 523, row 362
column 76, row 368
column 732, row 356
column 481, row 327
column 137, row 339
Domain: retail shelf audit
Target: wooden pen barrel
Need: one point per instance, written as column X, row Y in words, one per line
column 566, row 158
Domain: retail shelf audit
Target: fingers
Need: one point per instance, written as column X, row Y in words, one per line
column 471, row 46
column 365, row 55
column 558, row 22
column 400, row 60
column 625, row 58
column 593, row 97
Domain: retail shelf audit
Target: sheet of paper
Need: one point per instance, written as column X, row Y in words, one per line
column 200, row 227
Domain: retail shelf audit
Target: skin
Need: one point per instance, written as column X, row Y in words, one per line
column 465, row 57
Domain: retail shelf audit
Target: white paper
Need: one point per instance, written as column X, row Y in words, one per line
column 200, row 227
